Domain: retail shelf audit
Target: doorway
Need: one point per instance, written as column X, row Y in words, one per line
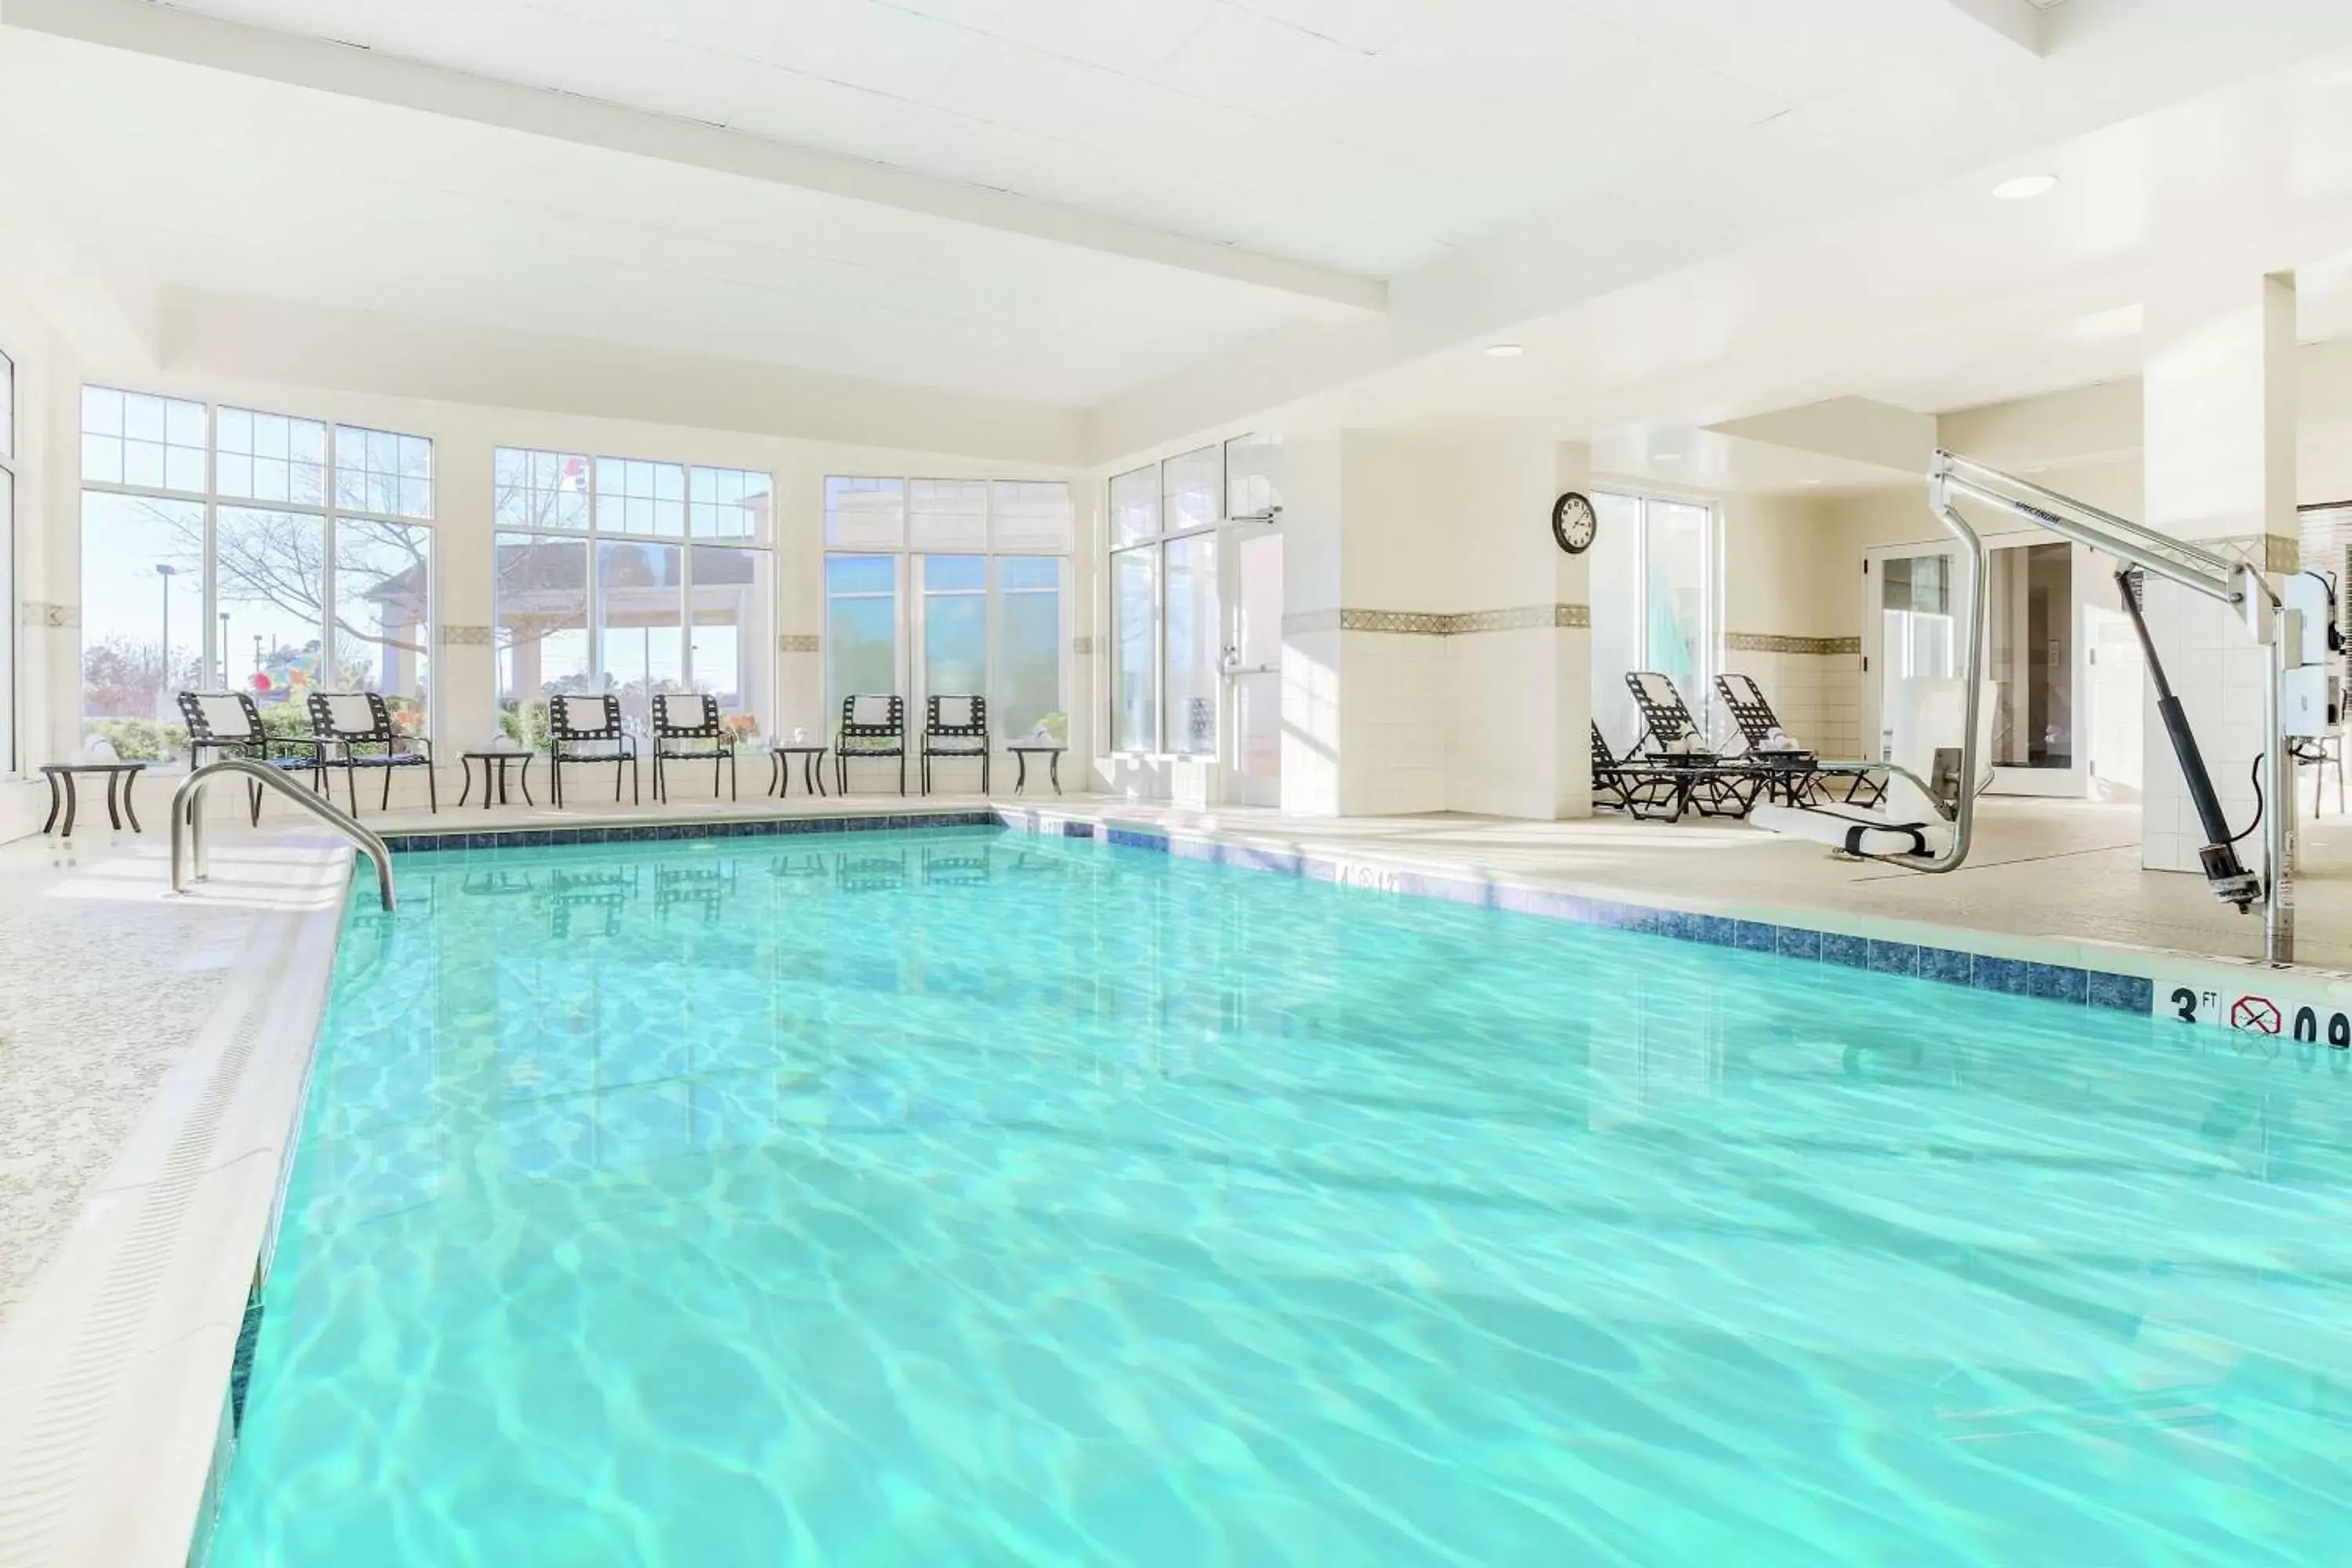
column 2061, row 658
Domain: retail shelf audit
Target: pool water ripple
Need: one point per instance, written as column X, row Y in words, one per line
column 964, row 1197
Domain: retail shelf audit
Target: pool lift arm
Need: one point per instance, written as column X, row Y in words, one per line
column 2236, row 582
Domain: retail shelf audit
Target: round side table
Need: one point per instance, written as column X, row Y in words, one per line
column 494, row 775
column 779, row 770
column 1021, row 755
column 60, row 777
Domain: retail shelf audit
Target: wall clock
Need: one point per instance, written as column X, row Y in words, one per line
column 1574, row 523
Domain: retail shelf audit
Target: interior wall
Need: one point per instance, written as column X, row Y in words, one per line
column 1783, row 572
column 38, row 641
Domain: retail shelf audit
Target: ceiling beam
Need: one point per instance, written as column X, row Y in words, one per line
column 145, row 27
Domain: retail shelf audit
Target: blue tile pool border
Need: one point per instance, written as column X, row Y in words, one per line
column 401, row 843
column 1950, row 966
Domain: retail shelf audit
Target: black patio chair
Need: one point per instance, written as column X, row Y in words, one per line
column 1670, row 737
column 955, row 727
column 228, row 724
column 355, row 731
column 872, row 727
column 1650, row 790
column 691, row 717
column 1799, row 770
column 576, row 723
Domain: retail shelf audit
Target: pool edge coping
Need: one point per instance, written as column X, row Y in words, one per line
column 120, row 1357
column 1953, row 953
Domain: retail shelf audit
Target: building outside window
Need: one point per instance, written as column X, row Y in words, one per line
column 949, row 588
column 631, row 576
column 227, row 548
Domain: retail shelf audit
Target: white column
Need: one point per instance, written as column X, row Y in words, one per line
column 2219, row 443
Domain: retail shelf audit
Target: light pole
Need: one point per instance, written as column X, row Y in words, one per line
column 224, row 651
column 166, row 572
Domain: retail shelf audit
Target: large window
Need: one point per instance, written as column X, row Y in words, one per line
column 1166, row 602
column 233, row 548
column 1655, row 602
column 631, row 576
column 949, row 588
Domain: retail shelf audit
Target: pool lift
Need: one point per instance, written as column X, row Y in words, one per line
column 1933, row 834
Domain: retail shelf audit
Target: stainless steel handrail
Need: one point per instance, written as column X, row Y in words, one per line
column 188, row 822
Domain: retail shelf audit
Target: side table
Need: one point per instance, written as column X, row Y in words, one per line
column 62, row 774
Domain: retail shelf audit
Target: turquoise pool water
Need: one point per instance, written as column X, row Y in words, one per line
column 965, row 1197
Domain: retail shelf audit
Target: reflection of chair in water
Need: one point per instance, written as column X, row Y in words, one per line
column 497, row 884
column 805, row 869
column 943, row 866
column 610, row 889
column 706, row 888
column 871, row 873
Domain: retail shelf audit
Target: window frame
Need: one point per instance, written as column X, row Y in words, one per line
column 213, row 658
column 912, row 621
column 594, row 536
column 1163, row 745
column 1703, row 701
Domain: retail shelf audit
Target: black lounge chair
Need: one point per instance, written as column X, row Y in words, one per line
column 228, row 724
column 1719, row 785
column 574, row 724
column 347, row 721
column 1796, row 772
column 872, row 727
column 955, row 727
column 1636, row 786
column 691, row 717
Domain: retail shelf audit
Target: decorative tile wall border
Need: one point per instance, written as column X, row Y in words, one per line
column 41, row 614
column 1439, row 624
column 2277, row 551
column 1773, row 642
column 1951, row 967
column 464, row 636
column 402, row 842
column 799, row 642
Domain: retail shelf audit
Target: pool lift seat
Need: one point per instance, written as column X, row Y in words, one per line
column 2294, row 700
column 1916, row 816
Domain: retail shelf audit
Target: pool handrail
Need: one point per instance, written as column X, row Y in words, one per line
column 188, row 858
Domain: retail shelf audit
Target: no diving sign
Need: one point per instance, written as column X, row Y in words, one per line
column 2260, row 1013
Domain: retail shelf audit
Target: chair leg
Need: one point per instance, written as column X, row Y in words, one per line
column 253, row 792
column 902, row 772
column 620, row 763
column 636, row 783
column 660, row 789
column 432, row 789
column 387, row 786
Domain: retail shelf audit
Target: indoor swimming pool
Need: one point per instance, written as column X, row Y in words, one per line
column 965, row 1196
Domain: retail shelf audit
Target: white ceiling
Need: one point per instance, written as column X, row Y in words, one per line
column 208, row 181
column 1688, row 209
column 1366, row 135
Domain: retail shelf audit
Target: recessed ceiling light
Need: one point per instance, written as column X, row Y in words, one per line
column 1504, row 351
column 2025, row 187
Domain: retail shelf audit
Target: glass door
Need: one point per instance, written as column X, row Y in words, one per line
column 2039, row 596
column 1908, row 630
column 2033, row 649
column 1251, row 663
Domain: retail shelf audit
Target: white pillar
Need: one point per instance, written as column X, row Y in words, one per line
column 2220, row 464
